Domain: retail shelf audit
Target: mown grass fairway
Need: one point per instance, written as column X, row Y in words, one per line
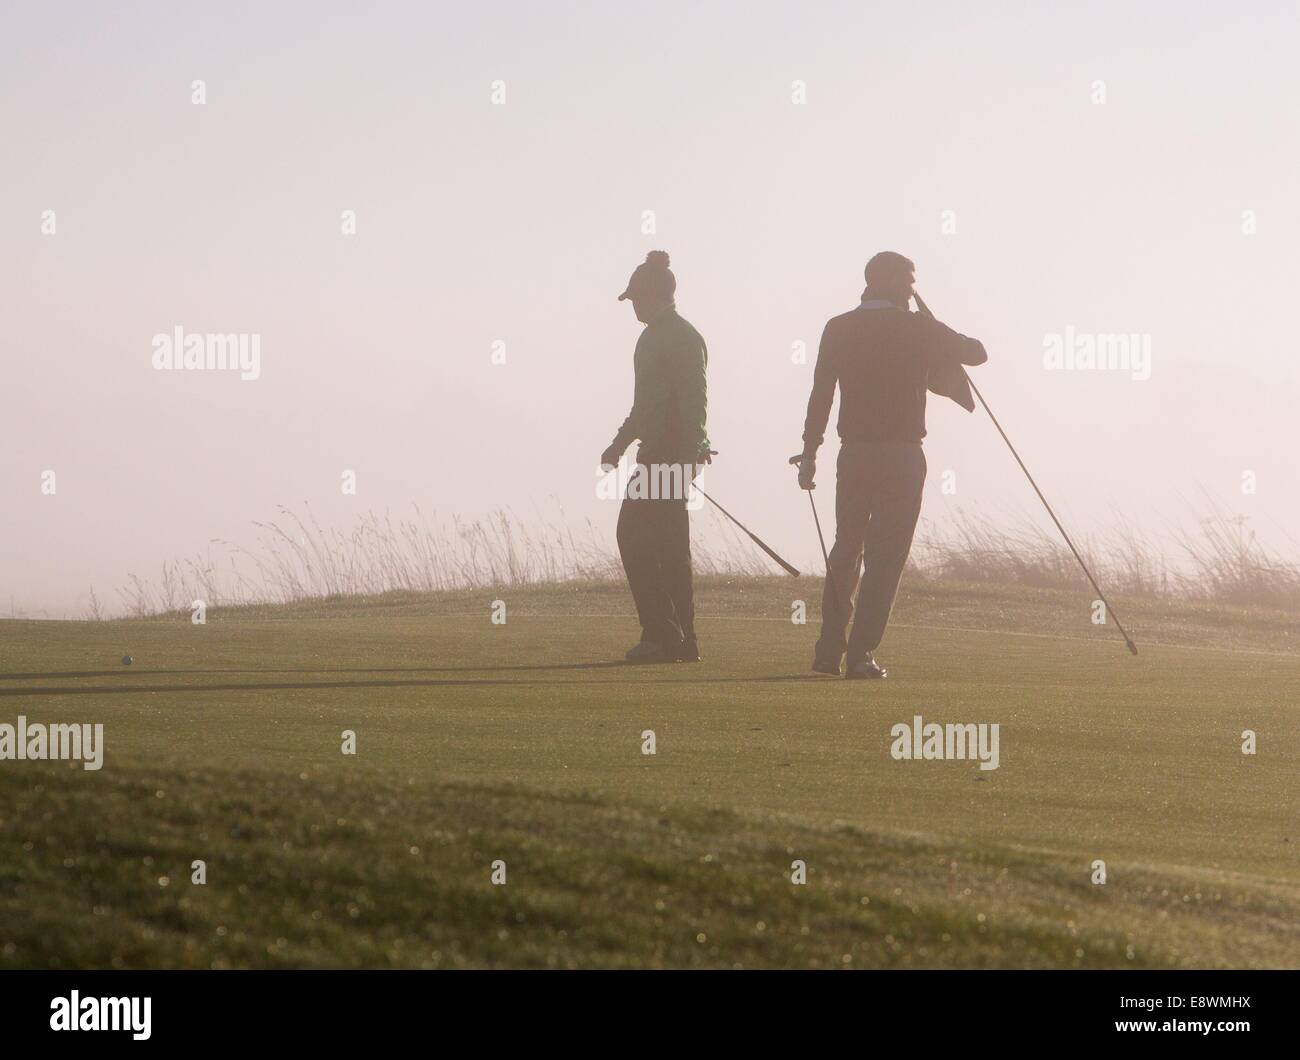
column 522, row 743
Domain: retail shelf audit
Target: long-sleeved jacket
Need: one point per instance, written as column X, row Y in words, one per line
column 884, row 360
column 670, row 397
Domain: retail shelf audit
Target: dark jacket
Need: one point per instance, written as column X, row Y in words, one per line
column 884, row 360
column 670, row 396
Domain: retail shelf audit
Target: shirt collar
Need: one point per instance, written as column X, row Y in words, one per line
column 876, row 303
column 668, row 310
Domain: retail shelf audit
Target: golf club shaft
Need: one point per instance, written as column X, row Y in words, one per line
column 792, row 571
column 821, row 540
column 1110, row 611
column 826, row 559
column 796, row 460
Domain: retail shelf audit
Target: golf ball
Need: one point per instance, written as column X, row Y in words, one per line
column 127, row 660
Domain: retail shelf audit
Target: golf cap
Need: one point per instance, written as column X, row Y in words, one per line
column 651, row 279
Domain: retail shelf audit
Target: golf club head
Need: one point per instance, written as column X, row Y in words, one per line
column 1133, row 648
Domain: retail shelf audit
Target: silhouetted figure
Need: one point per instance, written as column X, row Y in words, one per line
column 884, row 358
column 668, row 414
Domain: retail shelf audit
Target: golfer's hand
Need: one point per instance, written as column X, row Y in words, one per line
column 610, row 457
column 807, row 472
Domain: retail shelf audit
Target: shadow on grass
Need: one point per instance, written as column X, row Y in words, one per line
column 635, row 673
column 124, row 672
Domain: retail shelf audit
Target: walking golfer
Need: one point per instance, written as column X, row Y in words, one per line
column 884, row 359
column 668, row 416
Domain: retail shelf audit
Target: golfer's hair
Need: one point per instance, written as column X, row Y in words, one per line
column 888, row 265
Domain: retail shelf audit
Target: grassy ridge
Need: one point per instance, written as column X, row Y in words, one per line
column 480, row 742
column 353, row 871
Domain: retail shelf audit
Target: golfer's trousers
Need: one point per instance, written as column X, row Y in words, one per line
column 877, row 501
column 654, row 541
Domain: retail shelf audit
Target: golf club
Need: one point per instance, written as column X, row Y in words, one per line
column 796, row 460
column 793, row 572
column 1110, row 611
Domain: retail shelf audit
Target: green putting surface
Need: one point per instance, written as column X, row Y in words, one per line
column 523, row 742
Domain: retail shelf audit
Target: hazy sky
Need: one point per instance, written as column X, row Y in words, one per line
column 1166, row 211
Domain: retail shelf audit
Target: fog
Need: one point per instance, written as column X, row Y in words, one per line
column 388, row 195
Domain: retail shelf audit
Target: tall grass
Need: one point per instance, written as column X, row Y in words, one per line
column 294, row 558
column 1223, row 561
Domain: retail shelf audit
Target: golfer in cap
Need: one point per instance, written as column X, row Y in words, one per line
column 668, row 416
column 884, row 359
